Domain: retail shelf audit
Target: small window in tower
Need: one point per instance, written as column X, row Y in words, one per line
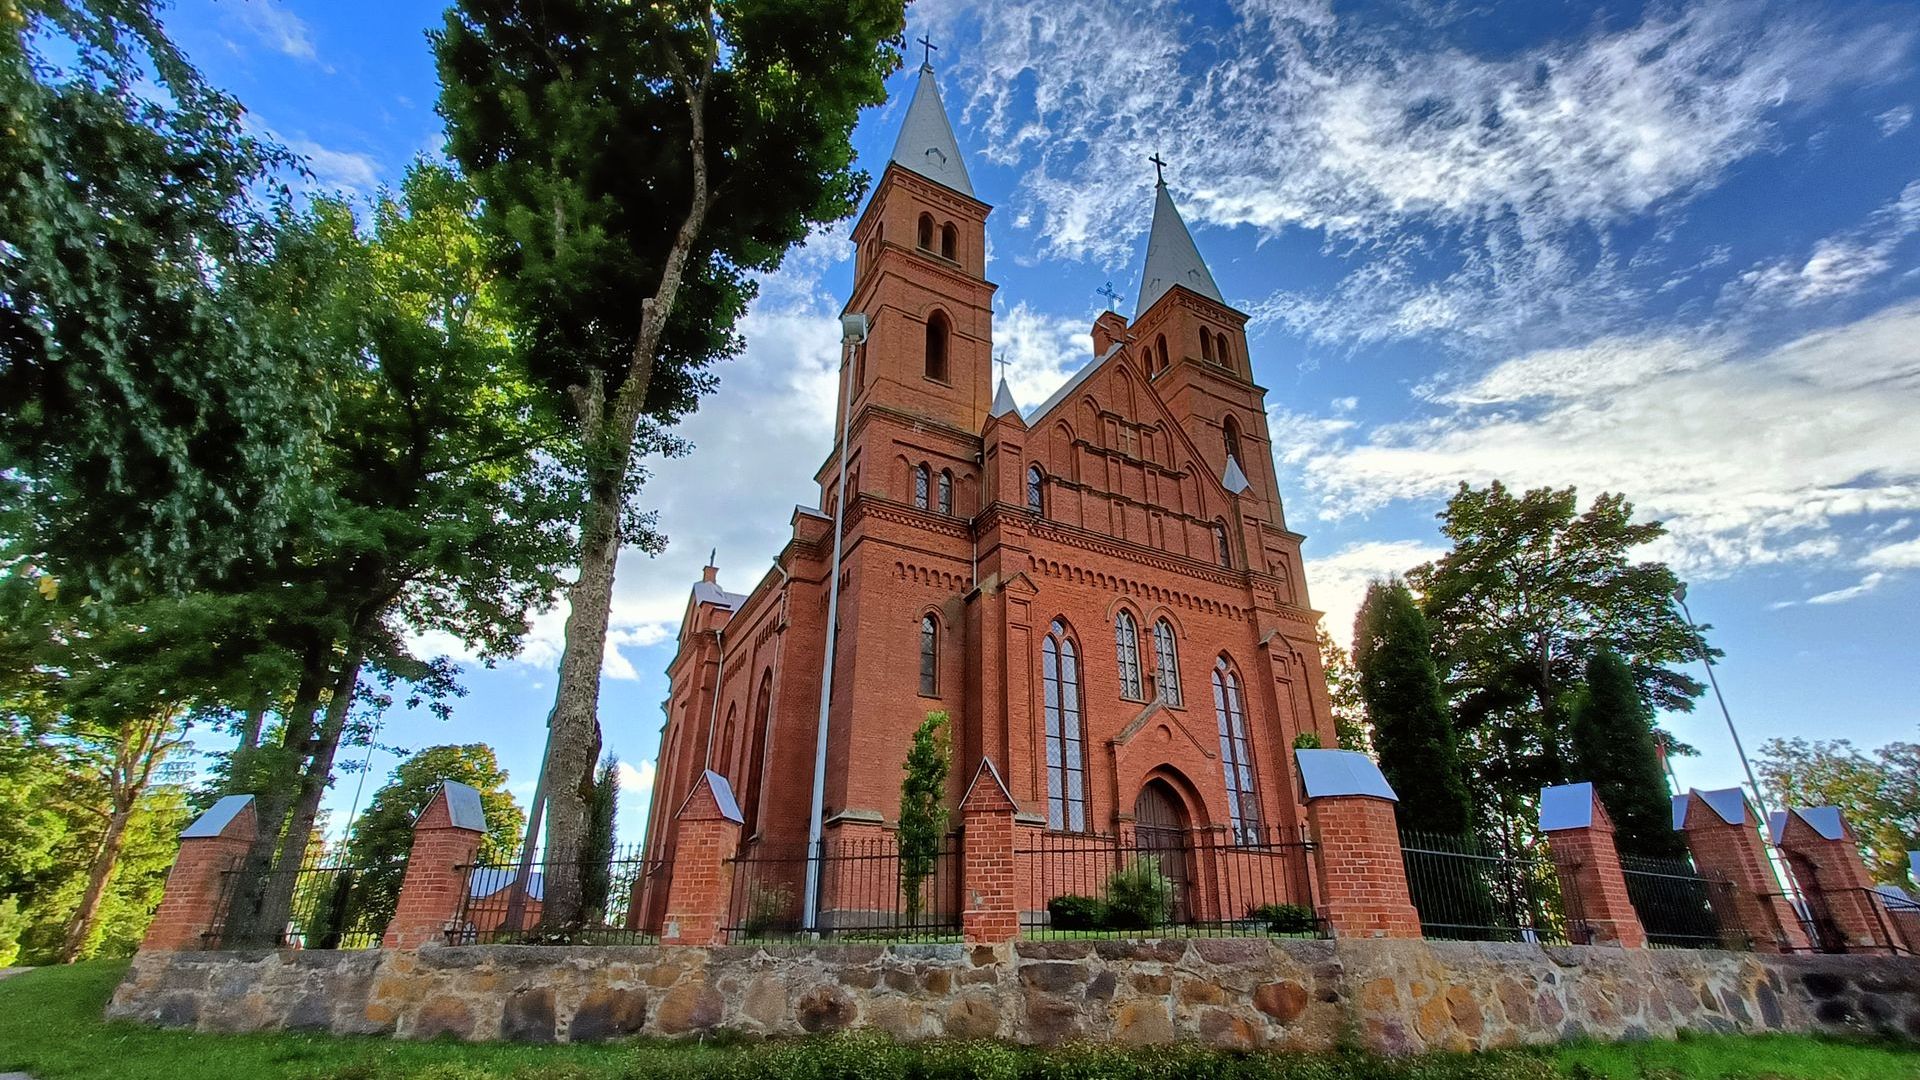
column 859, row 368
column 926, row 232
column 937, row 334
column 1226, row 549
column 1036, row 490
column 949, row 241
column 1160, row 351
column 1221, row 352
column 929, row 657
column 1230, row 433
column 920, row 485
column 1206, row 345
column 946, row 492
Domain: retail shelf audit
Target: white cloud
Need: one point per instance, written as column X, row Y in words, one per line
column 636, row 780
column 1338, row 582
column 276, row 27
column 1042, row 351
column 1837, row 266
column 1750, row 456
column 1894, row 120
column 1902, row 556
column 338, row 168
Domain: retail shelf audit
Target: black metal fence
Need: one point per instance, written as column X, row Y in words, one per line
column 1678, row 907
column 326, row 904
column 1853, row 920
column 869, row 891
column 1466, row 890
column 1166, row 883
column 620, row 899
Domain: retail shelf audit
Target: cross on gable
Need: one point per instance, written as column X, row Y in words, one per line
column 1107, row 291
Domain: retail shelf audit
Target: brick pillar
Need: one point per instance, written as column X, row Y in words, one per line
column 446, row 840
column 706, row 834
column 1363, row 876
column 990, row 909
column 190, row 907
column 1724, row 837
column 1580, row 838
column 1833, row 879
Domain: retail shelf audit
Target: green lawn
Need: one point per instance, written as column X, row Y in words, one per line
column 50, row 1026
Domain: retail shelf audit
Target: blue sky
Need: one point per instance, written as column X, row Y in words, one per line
column 1666, row 249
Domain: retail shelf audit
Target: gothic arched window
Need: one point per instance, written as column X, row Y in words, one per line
column 1230, row 433
column 926, row 232
column 946, row 492
column 1226, row 549
column 724, row 763
column 1166, row 662
column 1036, row 490
column 1066, row 753
column 1160, row 351
column 937, row 333
column 929, row 657
column 1236, row 754
column 1222, row 350
column 1206, row 344
column 1126, row 648
column 749, row 785
column 920, row 485
column 949, row 240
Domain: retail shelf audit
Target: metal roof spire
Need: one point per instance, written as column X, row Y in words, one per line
column 926, row 144
column 1003, row 400
column 1172, row 259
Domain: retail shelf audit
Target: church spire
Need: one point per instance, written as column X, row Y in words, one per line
column 926, row 143
column 1172, row 259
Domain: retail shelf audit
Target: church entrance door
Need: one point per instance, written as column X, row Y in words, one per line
column 1162, row 832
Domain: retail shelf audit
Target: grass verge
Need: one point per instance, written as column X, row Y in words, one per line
column 50, row 1027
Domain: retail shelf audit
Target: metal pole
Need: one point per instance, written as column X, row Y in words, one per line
column 517, row 899
column 853, row 331
column 1680, row 597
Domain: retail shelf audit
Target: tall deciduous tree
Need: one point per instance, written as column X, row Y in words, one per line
column 1879, row 792
column 152, row 432
column 1413, row 734
column 1613, row 747
column 1532, row 588
column 638, row 164
column 1343, row 691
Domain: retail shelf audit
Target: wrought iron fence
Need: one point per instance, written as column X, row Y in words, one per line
column 620, row 897
column 869, row 891
column 1678, row 907
column 1166, row 883
column 326, row 904
column 1853, row 920
column 1466, row 891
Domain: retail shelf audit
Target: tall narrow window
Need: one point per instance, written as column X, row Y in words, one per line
column 1166, row 662
column 1236, row 754
column 1230, row 433
column 748, row 789
column 1206, row 344
column 1126, row 649
column 929, row 657
column 949, row 240
column 724, row 763
column 920, row 485
column 1226, row 549
column 1160, row 351
column 1066, row 755
column 937, row 333
column 1036, row 490
column 926, row 232
column 946, row 492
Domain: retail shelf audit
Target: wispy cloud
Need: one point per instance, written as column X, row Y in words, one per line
column 1837, row 265
column 338, row 168
column 274, row 26
column 1894, row 120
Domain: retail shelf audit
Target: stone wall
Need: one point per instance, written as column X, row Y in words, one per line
column 1391, row 996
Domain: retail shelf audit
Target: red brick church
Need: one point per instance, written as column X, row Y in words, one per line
column 1102, row 593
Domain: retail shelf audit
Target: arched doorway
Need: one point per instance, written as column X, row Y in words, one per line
column 1162, row 830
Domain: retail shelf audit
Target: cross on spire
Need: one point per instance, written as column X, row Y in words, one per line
column 926, row 58
column 1001, row 359
column 1107, row 291
column 1158, row 176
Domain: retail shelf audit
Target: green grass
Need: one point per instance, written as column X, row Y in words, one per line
column 50, row 1026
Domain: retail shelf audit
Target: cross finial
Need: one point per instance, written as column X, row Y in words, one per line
column 1107, row 291
column 1159, row 177
column 713, row 557
column 926, row 58
column 1001, row 359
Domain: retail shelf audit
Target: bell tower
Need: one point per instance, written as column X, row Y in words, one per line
column 920, row 278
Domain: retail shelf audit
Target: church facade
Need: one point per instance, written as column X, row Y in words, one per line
column 1101, row 593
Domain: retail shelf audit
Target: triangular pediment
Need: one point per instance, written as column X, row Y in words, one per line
column 1175, row 721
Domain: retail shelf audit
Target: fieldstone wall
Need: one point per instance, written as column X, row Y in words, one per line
column 1393, row 996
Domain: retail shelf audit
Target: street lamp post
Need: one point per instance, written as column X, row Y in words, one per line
column 1680, row 597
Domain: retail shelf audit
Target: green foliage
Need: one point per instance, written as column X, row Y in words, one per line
column 1406, row 705
column 154, row 432
column 1076, row 912
column 1878, row 792
column 769, row 907
column 1306, row 740
column 1138, row 896
column 12, row 925
column 1286, row 918
column 1533, row 588
column 923, row 808
column 383, row 835
column 596, row 855
column 1343, row 694
column 1613, row 746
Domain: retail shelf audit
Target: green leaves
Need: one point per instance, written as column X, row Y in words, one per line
column 1413, row 734
column 923, row 807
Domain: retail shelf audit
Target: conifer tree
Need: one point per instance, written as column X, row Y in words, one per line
column 596, row 854
column 1613, row 747
column 923, row 810
column 1413, row 734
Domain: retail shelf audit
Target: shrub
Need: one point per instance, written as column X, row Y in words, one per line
column 1074, row 912
column 1139, row 896
column 1286, row 918
column 1306, row 740
column 769, row 907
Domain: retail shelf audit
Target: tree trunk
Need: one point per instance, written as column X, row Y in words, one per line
column 574, row 738
column 105, row 859
column 244, row 922
column 277, row 899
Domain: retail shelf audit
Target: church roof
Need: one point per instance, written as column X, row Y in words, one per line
column 1066, row 389
column 706, row 592
column 926, row 144
column 1003, row 402
column 1171, row 257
